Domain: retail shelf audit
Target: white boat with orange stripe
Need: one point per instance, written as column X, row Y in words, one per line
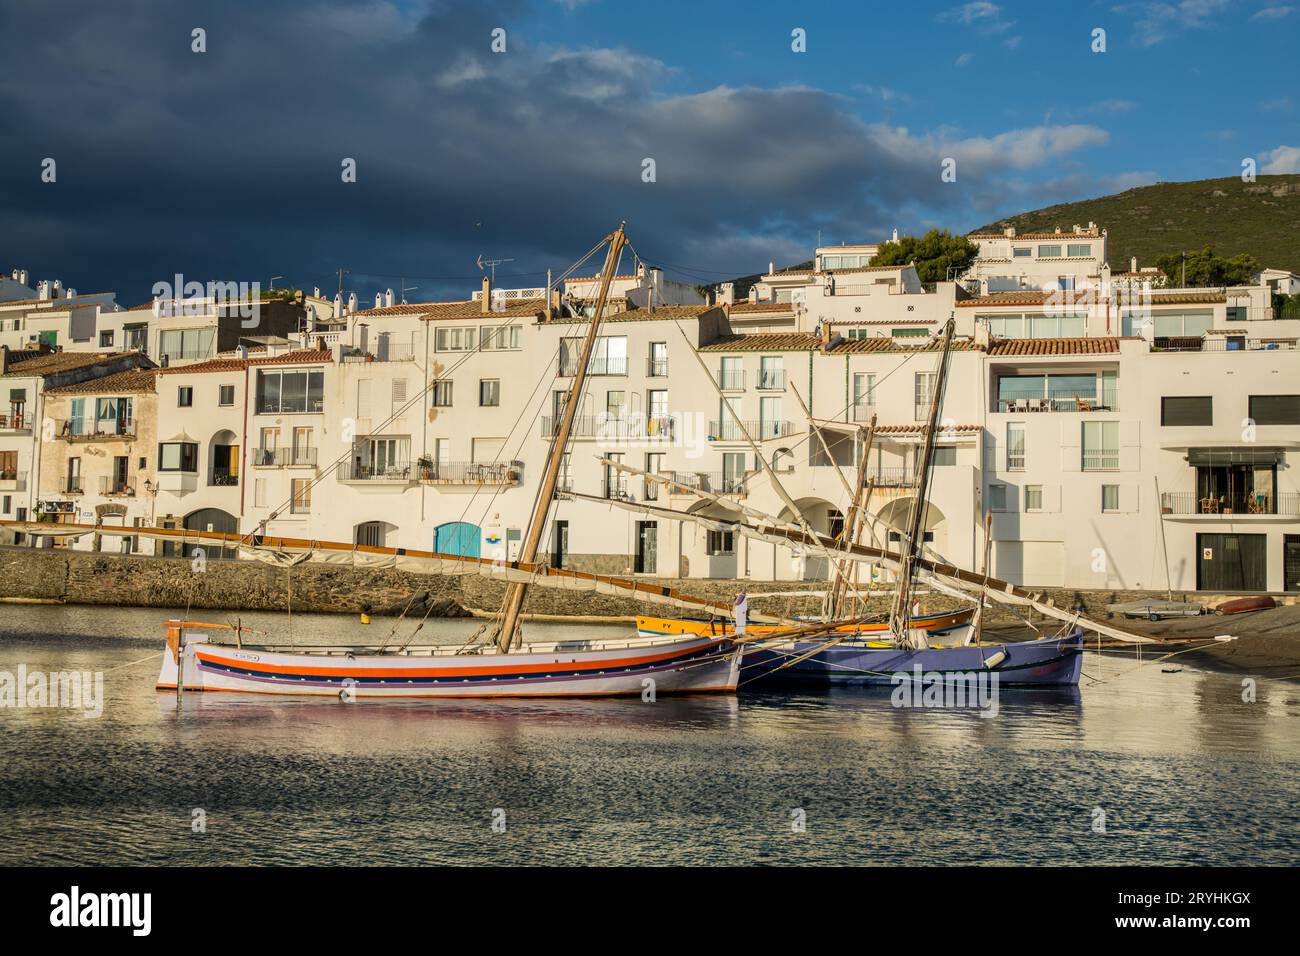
column 212, row 657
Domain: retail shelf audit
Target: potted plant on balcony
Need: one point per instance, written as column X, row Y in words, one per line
column 425, row 464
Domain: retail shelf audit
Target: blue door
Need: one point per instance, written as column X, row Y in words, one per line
column 457, row 537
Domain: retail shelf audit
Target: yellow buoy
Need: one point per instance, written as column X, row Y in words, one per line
column 365, row 618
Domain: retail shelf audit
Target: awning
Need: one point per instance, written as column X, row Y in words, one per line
column 1208, row 457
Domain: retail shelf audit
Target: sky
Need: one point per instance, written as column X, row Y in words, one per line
column 227, row 163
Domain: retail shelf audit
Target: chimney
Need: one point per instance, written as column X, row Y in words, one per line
column 1133, row 264
column 753, row 293
column 379, row 300
column 388, row 297
column 895, row 236
column 727, row 293
column 1010, row 232
column 486, row 302
column 4, row 359
column 824, row 330
column 981, row 334
column 553, row 304
column 320, row 343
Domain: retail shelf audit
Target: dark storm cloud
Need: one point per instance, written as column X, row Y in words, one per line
column 227, row 163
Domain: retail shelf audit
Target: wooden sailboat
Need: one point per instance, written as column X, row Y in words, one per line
column 505, row 668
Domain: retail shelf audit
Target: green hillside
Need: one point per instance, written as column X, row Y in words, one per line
column 1260, row 218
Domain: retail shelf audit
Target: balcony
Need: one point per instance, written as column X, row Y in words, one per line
column 731, row 379
column 71, row 486
column 394, row 352
column 607, row 365
column 771, row 379
column 13, row 480
column 616, row 487
column 890, row 477
column 1234, row 343
column 113, row 487
column 284, row 458
column 863, row 411
column 396, row 473
column 92, row 429
column 638, row 428
column 499, row 473
column 1060, row 400
column 15, row 421
column 223, row 479
column 1234, row 506
column 711, row 482
column 759, row 431
column 657, row 368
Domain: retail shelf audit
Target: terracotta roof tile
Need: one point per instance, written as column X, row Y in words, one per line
column 752, row 307
column 887, row 343
column 763, row 342
column 132, row 380
column 1093, row 345
column 1209, row 296
column 51, row 363
column 1086, row 234
column 211, row 365
column 297, row 357
column 659, row 312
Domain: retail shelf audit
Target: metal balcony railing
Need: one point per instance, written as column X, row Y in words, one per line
column 71, row 486
column 619, row 487
column 12, row 480
column 604, row 428
column 473, row 473
column 1188, row 503
column 759, row 431
column 89, row 429
column 1061, row 400
column 656, row 368
column 224, row 479
column 1234, row 343
column 284, row 457
column 862, row 411
column 609, row 365
column 731, row 379
column 771, row 379
column 890, row 477
column 15, row 420
column 712, row 482
column 398, row 471
column 112, row 487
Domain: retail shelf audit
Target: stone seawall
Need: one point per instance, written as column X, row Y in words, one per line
column 84, row 577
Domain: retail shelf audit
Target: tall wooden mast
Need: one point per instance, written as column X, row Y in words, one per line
column 514, row 600
column 901, row 620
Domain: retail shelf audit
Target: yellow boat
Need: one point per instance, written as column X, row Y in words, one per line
column 935, row 624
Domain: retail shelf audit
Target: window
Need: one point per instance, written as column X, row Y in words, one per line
column 654, row 463
column 144, row 462
column 301, row 501
column 1236, row 313
column 658, row 358
column 722, row 542
column 771, row 373
column 1033, row 497
column 1187, row 410
column 1049, row 252
column 615, row 404
column 864, row 388
column 178, row 456
column 1022, row 252
column 1275, row 409
column 442, row 393
column 494, row 338
column 1110, row 497
column 303, row 453
column 1182, row 324
column 186, row 343
column 997, row 497
column 733, row 470
column 1078, row 249
column 73, row 486
column 923, row 393
column 226, row 395
column 1065, row 283
column 259, row 492
column 398, row 394
column 8, row 465
column 1100, row 446
column 489, row 392
column 731, row 374
column 454, row 340
column 302, row 390
column 1015, row 446
column 184, row 396
column 6, row 504
column 945, row 455
column 106, row 339
column 560, row 544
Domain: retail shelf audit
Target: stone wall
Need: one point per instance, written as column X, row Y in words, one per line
column 84, row 577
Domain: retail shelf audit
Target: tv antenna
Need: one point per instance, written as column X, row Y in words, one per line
column 493, row 263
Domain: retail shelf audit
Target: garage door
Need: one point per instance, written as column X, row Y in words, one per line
column 1039, row 564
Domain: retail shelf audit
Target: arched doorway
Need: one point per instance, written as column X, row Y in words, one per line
column 223, row 459
column 216, row 520
column 458, row 537
column 373, row 534
column 934, row 525
column 825, row 518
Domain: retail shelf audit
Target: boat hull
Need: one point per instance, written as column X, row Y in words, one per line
column 953, row 625
column 1046, row 662
column 575, row 669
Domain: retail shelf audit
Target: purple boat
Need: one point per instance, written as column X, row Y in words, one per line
column 1048, row 661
